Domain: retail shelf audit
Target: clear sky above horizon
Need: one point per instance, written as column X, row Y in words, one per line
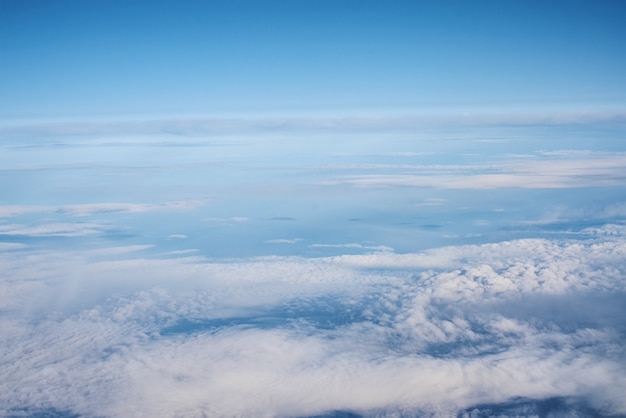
column 87, row 59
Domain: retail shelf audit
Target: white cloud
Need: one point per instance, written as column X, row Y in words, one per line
column 353, row 245
column 568, row 170
column 613, row 229
column 433, row 201
column 232, row 220
column 56, row 229
column 203, row 126
column 182, row 252
column 87, row 209
column 112, row 333
column 111, row 251
column 15, row 210
column 7, row 246
column 283, row 241
column 177, row 236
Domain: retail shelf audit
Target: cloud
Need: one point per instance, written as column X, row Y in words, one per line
column 570, row 170
column 57, row 229
column 88, row 209
column 283, row 241
column 613, row 229
column 383, row 248
column 177, row 236
column 452, row 330
column 616, row 210
column 182, row 252
column 228, row 220
column 8, row 246
column 111, row 251
column 203, row 126
column 433, row 201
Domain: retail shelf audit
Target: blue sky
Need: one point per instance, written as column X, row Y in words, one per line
column 87, row 59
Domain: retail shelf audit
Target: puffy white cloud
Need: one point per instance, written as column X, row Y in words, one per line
column 117, row 333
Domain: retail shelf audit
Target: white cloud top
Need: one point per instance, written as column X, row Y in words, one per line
column 110, row 333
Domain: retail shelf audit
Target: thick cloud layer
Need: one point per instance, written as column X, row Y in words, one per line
column 512, row 328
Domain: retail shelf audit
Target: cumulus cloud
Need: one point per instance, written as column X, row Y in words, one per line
column 452, row 330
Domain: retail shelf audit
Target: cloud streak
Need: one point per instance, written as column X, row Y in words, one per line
column 56, row 229
column 283, row 241
column 87, row 209
column 194, row 126
column 577, row 170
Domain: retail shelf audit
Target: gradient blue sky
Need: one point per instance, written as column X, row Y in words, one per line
column 67, row 59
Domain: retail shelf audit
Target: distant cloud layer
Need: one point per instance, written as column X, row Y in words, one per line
column 193, row 126
column 543, row 171
column 117, row 332
column 379, row 266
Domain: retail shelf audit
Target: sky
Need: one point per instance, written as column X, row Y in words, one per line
column 109, row 58
column 312, row 209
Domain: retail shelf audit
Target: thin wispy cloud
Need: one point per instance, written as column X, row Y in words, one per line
column 231, row 220
column 177, row 236
column 432, row 201
column 87, row 209
column 56, row 229
column 115, row 251
column 8, row 246
column 353, row 245
column 199, row 126
column 578, row 170
column 283, row 241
